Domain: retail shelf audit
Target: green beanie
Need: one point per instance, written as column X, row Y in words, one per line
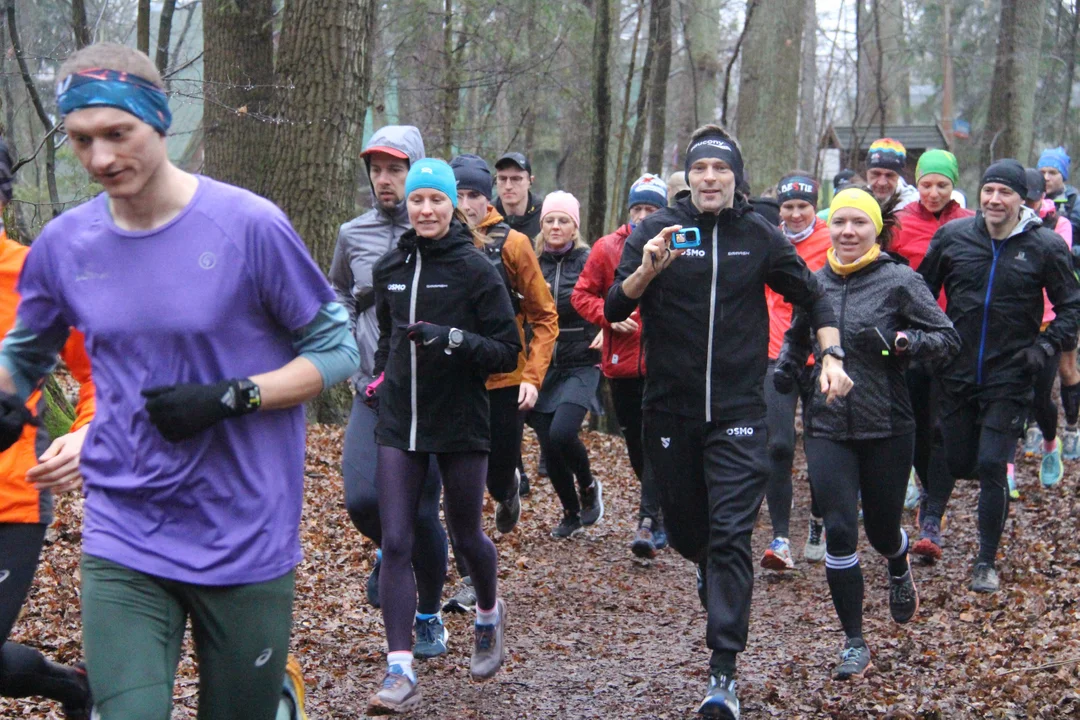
column 938, row 162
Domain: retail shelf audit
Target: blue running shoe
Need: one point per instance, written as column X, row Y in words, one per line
column 778, row 555
column 431, row 638
column 1033, row 439
column 1070, row 444
column 1050, row 469
column 720, row 701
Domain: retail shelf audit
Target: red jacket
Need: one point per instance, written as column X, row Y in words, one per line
column 622, row 356
column 812, row 250
column 918, row 225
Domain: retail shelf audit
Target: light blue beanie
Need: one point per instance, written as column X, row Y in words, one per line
column 433, row 174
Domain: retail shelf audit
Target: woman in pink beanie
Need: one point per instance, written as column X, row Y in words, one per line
column 573, row 375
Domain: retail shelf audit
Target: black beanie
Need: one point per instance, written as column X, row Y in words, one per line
column 1008, row 172
column 472, row 173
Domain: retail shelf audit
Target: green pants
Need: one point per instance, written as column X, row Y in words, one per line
column 133, row 627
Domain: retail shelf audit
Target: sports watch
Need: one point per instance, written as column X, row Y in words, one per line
column 836, row 351
column 456, row 338
column 902, row 342
column 248, row 396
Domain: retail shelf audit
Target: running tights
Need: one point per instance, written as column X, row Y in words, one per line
column 1044, row 410
column 401, row 477
column 566, row 454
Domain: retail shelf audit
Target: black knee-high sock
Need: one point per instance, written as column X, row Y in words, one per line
column 1070, row 401
column 846, row 587
column 24, row 672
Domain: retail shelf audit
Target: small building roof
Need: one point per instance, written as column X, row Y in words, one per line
column 912, row 137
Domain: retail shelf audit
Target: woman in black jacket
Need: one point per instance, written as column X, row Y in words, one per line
column 863, row 443
column 445, row 324
column 573, row 375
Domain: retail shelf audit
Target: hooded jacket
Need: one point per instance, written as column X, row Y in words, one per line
column 918, row 225
column 575, row 332
column 1061, row 225
column 887, row 295
column 704, row 318
column 360, row 244
column 813, row 252
column 994, row 290
column 536, row 307
column 21, row 502
column 1067, row 206
column 527, row 224
column 432, row 400
column 622, row 356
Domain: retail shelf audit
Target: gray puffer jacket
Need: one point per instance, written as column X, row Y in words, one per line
column 360, row 244
column 890, row 296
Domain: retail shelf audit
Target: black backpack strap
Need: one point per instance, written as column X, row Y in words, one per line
column 496, row 239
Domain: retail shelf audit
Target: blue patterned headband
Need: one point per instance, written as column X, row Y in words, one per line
column 99, row 87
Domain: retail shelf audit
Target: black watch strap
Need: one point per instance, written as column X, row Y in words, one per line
column 835, row 351
column 248, row 397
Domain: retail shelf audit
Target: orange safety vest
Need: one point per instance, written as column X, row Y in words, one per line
column 20, row 502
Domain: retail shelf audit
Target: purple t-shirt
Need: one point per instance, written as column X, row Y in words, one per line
column 214, row 294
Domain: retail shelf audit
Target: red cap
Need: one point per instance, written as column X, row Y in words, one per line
column 393, row 152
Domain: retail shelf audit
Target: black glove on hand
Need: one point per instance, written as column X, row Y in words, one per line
column 875, row 340
column 784, row 377
column 436, row 337
column 13, row 418
column 183, row 411
column 1035, row 356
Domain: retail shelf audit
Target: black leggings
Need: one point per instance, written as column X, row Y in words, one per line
column 1044, row 410
column 780, row 418
column 558, row 433
column 626, row 395
column 362, row 502
column 974, row 449
column 839, row 471
column 401, row 477
column 24, row 672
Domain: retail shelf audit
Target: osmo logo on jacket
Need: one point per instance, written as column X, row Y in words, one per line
column 740, row 431
column 694, row 252
column 396, row 287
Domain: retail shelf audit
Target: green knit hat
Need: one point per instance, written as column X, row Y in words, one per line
column 938, row 162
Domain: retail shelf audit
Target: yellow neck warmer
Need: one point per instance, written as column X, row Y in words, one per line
column 841, row 269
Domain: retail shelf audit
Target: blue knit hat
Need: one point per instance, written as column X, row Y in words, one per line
column 648, row 190
column 433, row 174
column 1056, row 158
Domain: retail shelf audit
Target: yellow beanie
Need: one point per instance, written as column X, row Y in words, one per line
column 860, row 200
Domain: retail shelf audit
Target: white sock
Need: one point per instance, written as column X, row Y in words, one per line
column 403, row 660
column 487, row 617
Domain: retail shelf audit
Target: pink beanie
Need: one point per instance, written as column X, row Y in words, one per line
column 563, row 202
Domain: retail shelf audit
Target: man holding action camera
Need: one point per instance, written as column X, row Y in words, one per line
column 706, row 335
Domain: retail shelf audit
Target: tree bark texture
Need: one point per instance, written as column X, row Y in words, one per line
column 79, row 26
column 658, row 94
column 703, row 37
column 239, row 68
column 764, row 128
column 598, row 160
column 633, row 162
column 142, row 27
column 1016, row 72
column 808, row 133
column 164, row 36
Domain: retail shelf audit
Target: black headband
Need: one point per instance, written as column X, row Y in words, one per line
column 798, row 187
column 717, row 147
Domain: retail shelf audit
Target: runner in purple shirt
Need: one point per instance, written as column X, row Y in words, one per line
column 208, row 325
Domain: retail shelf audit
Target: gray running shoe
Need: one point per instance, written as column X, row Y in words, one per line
column 488, row 649
column 984, row 578
column 464, row 599
column 592, row 504
column 397, row 694
column 814, row 550
column 644, row 546
column 431, row 638
column 854, row 661
column 568, row 528
column 508, row 513
column 903, row 597
column 720, row 700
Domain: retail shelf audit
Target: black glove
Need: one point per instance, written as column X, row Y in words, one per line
column 1035, row 356
column 13, row 418
column 183, row 411
column 783, row 377
column 875, row 341
column 436, row 337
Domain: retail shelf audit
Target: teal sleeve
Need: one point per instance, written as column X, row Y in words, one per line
column 29, row 356
column 327, row 342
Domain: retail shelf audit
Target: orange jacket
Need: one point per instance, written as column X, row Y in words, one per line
column 19, row 501
column 812, row 250
column 537, row 308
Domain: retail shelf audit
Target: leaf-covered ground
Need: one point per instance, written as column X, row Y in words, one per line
column 595, row 634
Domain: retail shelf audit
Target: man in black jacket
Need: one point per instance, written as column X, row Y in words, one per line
column 516, row 202
column 706, row 334
column 994, row 268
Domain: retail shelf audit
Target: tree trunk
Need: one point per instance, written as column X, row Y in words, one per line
column 1070, row 73
column 764, row 129
column 625, row 121
column 703, row 36
column 164, row 36
column 79, row 27
column 142, row 27
column 601, row 83
column 808, row 135
column 882, row 79
column 450, row 80
column 726, row 91
column 1016, row 71
column 239, row 68
column 658, row 94
column 633, row 162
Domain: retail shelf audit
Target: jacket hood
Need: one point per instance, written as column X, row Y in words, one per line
column 458, row 234
column 493, row 217
column 404, row 138
column 533, row 208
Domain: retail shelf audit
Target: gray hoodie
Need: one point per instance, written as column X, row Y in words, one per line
column 360, row 244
